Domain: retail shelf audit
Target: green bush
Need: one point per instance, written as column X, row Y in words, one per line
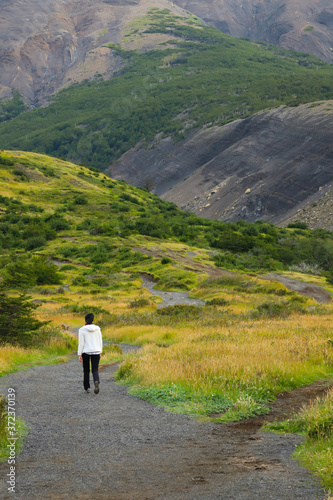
column 166, row 260
column 139, row 303
column 80, row 200
column 222, row 281
column 124, row 371
column 23, row 272
column 17, row 324
column 217, row 302
column 183, row 310
column 35, row 242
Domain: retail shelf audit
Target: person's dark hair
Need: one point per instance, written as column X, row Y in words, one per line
column 89, row 318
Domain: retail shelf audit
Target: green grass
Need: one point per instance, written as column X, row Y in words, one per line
column 201, row 77
column 9, row 442
column 315, row 423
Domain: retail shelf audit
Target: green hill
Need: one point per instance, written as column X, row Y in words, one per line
column 200, row 76
column 78, row 241
column 78, row 216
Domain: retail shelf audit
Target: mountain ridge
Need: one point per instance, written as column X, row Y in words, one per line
column 47, row 45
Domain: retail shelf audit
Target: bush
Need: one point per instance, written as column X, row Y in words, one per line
column 297, row 225
column 23, row 272
column 35, row 242
column 166, row 260
column 124, row 371
column 183, row 310
column 280, row 309
column 17, row 324
column 139, row 303
column 80, row 200
column 217, row 302
column 222, row 281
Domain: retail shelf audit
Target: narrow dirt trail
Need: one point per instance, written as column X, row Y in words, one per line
column 113, row 446
column 316, row 292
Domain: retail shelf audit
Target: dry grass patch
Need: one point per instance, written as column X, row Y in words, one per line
column 255, row 359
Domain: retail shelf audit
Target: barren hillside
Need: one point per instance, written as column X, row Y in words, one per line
column 48, row 44
column 266, row 167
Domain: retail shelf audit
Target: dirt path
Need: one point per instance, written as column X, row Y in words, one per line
column 316, row 292
column 170, row 298
column 115, row 446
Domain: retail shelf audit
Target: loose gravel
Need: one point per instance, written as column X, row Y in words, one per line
column 115, row 446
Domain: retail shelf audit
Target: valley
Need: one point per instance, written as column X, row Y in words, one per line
column 168, row 167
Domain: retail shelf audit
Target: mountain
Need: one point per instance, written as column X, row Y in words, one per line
column 304, row 25
column 49, row 44
column 267, row 166
column 199, row 77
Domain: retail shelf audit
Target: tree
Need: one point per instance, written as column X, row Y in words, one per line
column 17, row 324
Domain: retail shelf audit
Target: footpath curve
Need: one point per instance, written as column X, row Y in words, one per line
column 113, row 446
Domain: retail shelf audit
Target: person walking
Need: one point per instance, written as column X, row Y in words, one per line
column 89, row 351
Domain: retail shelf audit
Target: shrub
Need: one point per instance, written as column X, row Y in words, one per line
column 17, row 324
column 280, row 309
column 184, row 310
column 23, row 272
column 222, row 281
column 166, row 260
column 80, row 200
column 297, row 225
column 217, row 302
column 35, row 242
column 124, row 371
column 139, row 303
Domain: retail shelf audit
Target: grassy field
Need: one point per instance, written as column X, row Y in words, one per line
column 76, row 241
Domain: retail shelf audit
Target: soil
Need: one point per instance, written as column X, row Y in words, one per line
column 115, row 446
column 316, row 292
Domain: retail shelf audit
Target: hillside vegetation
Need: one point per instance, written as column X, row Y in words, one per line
column 74, row 241
column 200, row 76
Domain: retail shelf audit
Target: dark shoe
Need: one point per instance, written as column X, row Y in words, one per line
column 96, row 390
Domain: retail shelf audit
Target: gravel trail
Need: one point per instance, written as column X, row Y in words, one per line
column 113, row 446
column 170, row 298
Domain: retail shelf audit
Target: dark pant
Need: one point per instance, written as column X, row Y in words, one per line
column 86, row 368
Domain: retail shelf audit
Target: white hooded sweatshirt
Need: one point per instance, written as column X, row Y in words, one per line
column 90, row 340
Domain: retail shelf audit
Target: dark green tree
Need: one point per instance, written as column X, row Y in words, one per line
column 17, row 323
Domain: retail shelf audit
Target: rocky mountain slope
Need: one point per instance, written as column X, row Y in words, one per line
column 303, row 25
column 48, row 44
column 267, row 166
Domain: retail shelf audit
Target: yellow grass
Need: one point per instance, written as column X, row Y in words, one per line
column 11, row 357
column 267, row 354
column 14, row 357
